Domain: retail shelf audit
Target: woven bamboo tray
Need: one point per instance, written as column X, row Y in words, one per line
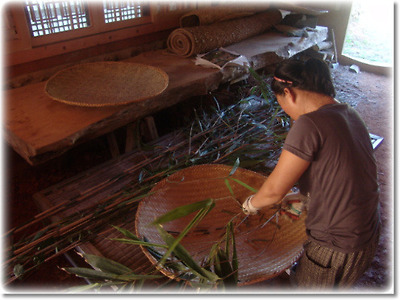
column 263, row 253
column 106, row 84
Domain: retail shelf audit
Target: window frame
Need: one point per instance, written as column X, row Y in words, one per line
column 97, row 25
column 23, row 48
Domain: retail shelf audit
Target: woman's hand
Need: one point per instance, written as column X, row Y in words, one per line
column 247, row 208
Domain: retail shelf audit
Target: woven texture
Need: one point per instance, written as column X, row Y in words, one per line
column 106, row 84
column 200, row 39
column 263, row 253
column 212, row 15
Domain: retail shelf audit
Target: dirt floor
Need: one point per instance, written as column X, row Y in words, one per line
column 370, row 94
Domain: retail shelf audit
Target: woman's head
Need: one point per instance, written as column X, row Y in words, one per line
column 312, row 75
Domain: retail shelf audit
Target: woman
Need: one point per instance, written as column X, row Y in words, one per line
column 328, row 152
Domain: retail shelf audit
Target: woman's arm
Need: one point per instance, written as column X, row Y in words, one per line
column 286, row 173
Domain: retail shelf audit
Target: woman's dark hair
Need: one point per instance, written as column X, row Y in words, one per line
column 311, row 75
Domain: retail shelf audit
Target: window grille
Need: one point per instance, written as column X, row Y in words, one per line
column 46, row 17
column 116, row 11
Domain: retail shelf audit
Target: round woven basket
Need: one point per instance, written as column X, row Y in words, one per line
column 263, row 253
column 106, row 84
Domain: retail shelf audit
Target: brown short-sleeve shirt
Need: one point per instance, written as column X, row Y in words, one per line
column 342, row 177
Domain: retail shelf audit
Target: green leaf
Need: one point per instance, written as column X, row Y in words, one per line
column 211, row 255
column 229, row 187
column 235, row 166
column 126, row 233
column 106, row 265
column 183, row 211
column 100, row 275
column 223, row 266
column 227, row 239
column 235, row 263
column 83, row 288
column 139, row 284
column 273, row 117
column 203, row 286
column 39, row 234
column 133, row 239
column 217, row 264
column 139, row 242
column 184, row 256
column 244, row 184
column 133, row 199
column 224, row 269
column 18, row 270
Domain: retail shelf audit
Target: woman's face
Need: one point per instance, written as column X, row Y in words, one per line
column 291, row 102
column 287, row 105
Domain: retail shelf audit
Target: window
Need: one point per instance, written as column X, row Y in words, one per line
column 38, row 29
column 62, row 20
column 121, row 11
column 54, row 17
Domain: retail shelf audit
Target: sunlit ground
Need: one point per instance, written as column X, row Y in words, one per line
column 370, row 33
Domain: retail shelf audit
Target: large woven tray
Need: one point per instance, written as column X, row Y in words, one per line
column 263, row 253
column 106, row 84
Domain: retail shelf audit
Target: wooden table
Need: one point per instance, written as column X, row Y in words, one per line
column 39, row 128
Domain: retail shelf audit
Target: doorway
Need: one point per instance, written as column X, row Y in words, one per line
column 370, row 33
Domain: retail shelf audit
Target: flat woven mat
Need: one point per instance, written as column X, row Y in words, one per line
column 189, row 41
column 106, row 84
column 263, row 253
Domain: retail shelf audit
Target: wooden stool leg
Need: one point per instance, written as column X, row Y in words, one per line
column 130, row 137
column 150, row 130
column 113, row 145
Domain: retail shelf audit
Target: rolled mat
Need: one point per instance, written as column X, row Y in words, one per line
column 263, row 252
column 209, row 16
column 201, row 39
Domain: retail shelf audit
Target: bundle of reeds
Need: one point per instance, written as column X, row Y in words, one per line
column 250, row 131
